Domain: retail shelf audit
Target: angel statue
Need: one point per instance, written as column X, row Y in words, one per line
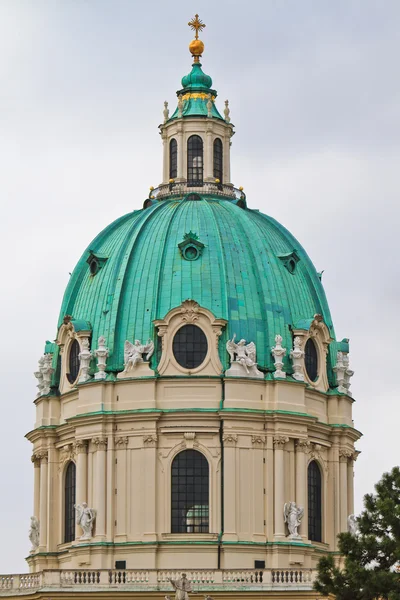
column 293, row 515
column 181, row 586
column 34, row 533
column 245, row 357
column 133, row 352
column 352, row 524
column 85, row 517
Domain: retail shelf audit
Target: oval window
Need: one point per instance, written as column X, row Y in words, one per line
column 311, row 359
column 73, row 362
column 191, row 253
column 190, row 346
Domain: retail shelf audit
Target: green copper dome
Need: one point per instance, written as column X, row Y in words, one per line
column 250, row 271
column 196, row 80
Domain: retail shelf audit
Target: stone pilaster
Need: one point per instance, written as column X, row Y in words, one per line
column 150, row 491
column 80, row 448
column 279, row 480
column 344, row 455
column 230, row 529
column 121, row 445
column 99, row 496
column 43, row 499
column 302, row 448
column 36, row 485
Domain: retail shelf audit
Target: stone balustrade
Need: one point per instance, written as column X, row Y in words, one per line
column 157, row 580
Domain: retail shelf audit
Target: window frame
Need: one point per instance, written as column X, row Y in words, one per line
column 218, row 159
column 195, row 149
column 69, row 497
column 199, row 498
column 173, row 159
column 314, row 510
column 75, row 347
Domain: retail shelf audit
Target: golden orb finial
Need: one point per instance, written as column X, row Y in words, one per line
column 196, row 46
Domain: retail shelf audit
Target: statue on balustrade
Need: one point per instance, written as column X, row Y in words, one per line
column 245, row 364
column 293, row 515
column 181, row 586
column 34, row 533
column 85, row 517
column 133, row 358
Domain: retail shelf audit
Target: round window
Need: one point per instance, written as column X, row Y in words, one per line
column 94, row 266
column 311, row 359
column 190, row 346
column 191, row 253
column 73, row 362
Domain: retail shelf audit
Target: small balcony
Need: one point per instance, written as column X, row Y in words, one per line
column 180, row 189
column 203, row 581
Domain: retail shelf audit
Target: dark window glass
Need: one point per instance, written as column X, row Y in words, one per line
column 189, row 493
column 311, row 359
column 314, row 503
column 190, row 346
column 69, row 501
column 173, row 159
column 195, row 160
column 73, row 361
column 94, row 266
column 218, row 159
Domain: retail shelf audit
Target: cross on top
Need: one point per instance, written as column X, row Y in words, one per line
column 197, row 25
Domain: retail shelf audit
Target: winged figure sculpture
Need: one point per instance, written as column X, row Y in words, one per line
column 133, row 353
column 245, row 353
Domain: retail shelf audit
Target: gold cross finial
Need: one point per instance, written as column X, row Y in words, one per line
column 197, row 25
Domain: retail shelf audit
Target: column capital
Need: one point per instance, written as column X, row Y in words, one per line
column 42, row 456
column 100, row 443
column 80, row 446
column 303, row 446
column 345, row 454
column 280, row 441
column 229, row 439
column 150, row 440
column 36, row 460
column 122, row 441
column 258, row 440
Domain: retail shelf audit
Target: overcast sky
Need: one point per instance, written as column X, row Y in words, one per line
column 314, row 91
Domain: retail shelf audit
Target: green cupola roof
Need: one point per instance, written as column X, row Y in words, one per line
column 196, row 80
column 196, row 90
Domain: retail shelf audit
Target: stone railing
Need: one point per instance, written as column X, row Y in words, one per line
column 167, row 190
column 153, row 580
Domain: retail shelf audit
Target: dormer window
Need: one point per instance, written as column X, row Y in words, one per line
column 95, row 262
column 73, row 362
column 218, row 159
column 195, row 161
column 173, row 159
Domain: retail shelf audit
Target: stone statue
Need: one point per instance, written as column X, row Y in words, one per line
column 297, row 359
column 343, row 373
column 44, row 373
column 293, row 515
column 278, row 353
column 133, row 353
column 209, row 106
column 352, row 524
column 39, row 376
column 180, row 105
column 227, row 111
column 85, row 517
column 245, row 364
column 34, row 533
column 101, row 354
column 181, row 586
column 84, row 358
column 166, row 112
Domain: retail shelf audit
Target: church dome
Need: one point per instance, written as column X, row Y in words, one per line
column 238, row 263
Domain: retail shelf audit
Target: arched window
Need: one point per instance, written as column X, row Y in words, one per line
column 69, row 501
column 311, row 359
column 195, row 160
column 218, row 159
column 173, row 159
column 314, row 503
column 73, row 361
column 189, row 493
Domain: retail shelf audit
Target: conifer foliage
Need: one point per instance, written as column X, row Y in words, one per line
column 372, row 556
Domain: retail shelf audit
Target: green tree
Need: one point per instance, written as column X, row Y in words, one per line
column 371, row 557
